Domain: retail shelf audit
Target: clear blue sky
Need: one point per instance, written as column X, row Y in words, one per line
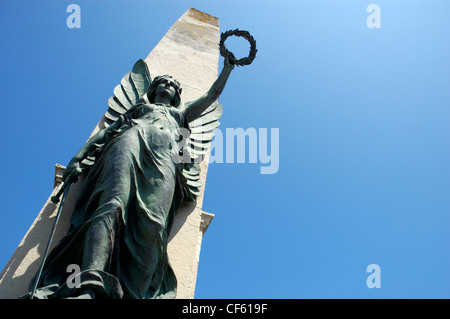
column 363, row 116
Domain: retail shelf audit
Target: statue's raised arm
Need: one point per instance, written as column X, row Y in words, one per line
column 195, row 108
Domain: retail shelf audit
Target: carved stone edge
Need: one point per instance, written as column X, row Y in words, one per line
column 59, row 170
column 206, row 219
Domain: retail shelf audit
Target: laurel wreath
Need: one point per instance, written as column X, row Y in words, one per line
column 239, row 33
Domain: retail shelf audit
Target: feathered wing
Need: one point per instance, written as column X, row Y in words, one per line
column 197, row 145
column 129, row 92
column 132, row 88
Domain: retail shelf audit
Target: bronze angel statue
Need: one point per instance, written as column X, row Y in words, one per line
column 137, row 176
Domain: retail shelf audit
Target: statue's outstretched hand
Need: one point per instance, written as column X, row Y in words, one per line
column 228, row 62
column 72, row 171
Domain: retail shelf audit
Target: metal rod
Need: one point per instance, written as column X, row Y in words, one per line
column 66, row 187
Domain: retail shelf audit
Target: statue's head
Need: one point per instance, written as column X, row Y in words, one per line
column 165, row 84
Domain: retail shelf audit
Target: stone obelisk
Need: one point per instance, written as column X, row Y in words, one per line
column 189, row 52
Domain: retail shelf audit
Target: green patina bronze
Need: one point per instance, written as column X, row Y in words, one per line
column 138, row 171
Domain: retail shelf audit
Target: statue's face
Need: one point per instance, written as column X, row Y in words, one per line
column 166, row 88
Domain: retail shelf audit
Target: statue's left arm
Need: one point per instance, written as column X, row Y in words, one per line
column 195, row 108
column 101, row 137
